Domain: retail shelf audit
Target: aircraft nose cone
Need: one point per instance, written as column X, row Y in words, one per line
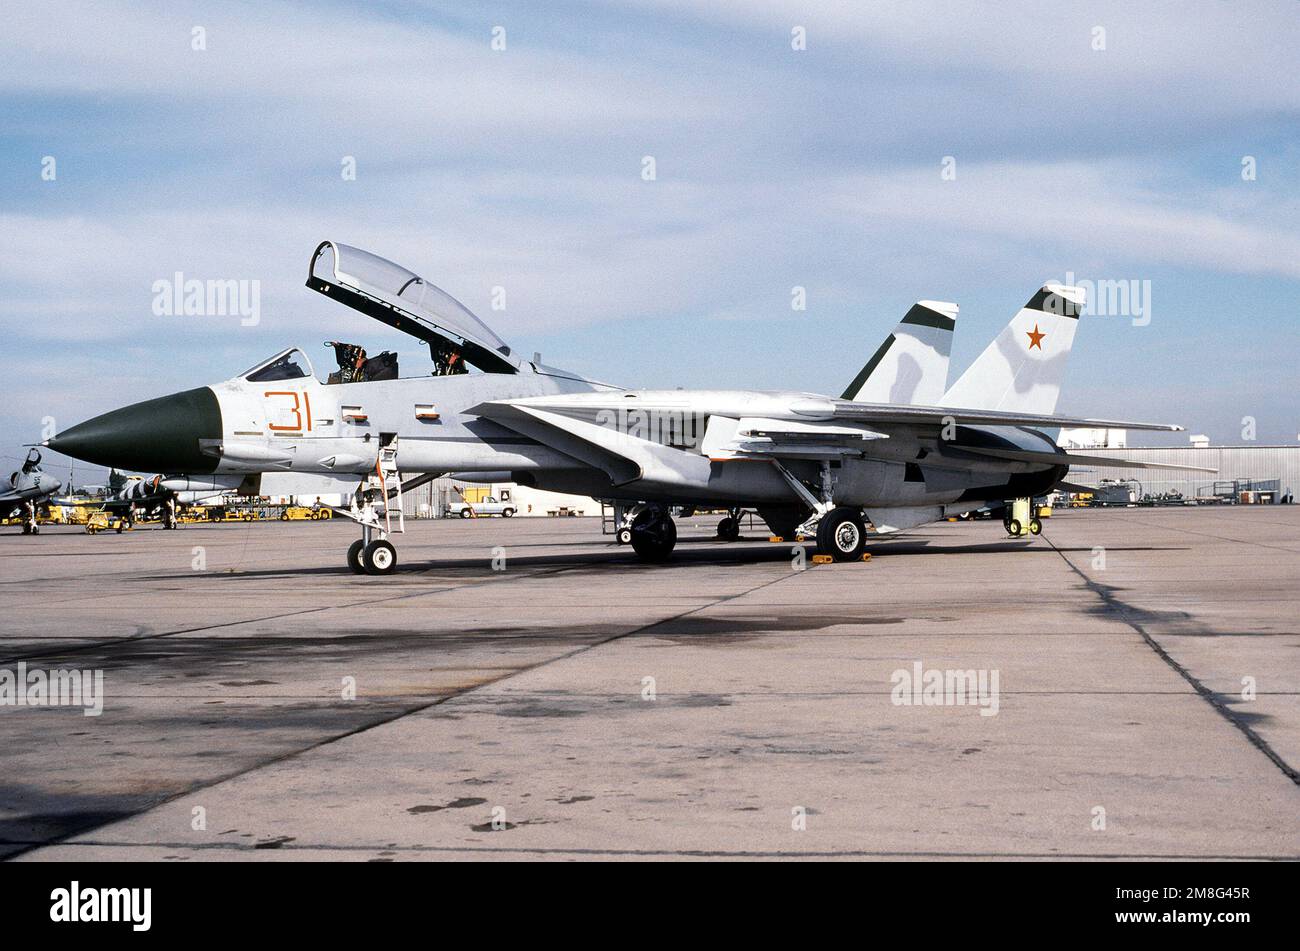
column 159, row 435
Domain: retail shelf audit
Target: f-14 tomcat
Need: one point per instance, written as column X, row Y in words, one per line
column 892, row 452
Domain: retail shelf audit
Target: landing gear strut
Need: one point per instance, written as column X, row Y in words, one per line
column 377, row 508
column 841, row 529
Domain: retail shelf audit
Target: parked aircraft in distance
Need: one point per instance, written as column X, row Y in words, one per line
column 29, row 488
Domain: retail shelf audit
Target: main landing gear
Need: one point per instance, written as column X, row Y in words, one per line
column 841, row 530
column 648, row 527
column 653, row 534
column 30, row 525
column 842, row 534
column 729, row 527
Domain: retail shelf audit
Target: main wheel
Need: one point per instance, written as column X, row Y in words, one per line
column 729, row 529
column 653, row 535
column 381, row 558
column 356, row 557
column 842, row 534
column 1035, row 527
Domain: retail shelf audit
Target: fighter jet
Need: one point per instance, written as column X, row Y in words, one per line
column 159, row 497
column 831, row 468
column 29, row 488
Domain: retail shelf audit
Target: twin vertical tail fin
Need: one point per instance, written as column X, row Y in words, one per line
column 1022, row 369
column 911, row 366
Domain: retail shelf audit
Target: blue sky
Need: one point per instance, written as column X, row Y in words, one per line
column 775, row 168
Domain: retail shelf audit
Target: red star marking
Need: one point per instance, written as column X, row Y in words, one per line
column 1035, row 338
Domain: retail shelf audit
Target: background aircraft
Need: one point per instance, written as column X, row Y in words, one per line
column 807, row 463
column 29, row 488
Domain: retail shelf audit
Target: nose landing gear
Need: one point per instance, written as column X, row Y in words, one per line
column 377, row 508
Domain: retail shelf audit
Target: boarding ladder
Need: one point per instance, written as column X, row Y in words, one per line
column 386, row 483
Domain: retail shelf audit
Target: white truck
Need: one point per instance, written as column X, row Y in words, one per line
column 488, row 506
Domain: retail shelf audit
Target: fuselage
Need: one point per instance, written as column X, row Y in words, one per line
column 278, row 417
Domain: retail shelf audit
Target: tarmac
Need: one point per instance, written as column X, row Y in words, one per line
column 526, row 689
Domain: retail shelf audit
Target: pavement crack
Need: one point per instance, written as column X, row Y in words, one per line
column 1125, row 612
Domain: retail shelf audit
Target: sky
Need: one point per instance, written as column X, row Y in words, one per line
column 872, row 154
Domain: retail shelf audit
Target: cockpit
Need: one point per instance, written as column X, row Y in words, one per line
column 391, row 294
column 291, row 364
column 457, row 340
column 354, row 365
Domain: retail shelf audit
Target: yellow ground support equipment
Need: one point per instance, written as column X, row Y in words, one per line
column 1022, row 519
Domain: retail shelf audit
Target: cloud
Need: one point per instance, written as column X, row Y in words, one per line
column 521, row 168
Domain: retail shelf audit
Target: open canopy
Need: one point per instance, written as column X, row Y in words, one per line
column 404, row 300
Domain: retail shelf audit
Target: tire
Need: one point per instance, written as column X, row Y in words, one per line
column 381, row 558
column 1035, row 527
column 653, row 535
column 624, row 536
column 1014, row 527
column 507, row 513
column 466, row 513
column 728, row 529
column 355, row 556
column 842, row 534
column 284, row 516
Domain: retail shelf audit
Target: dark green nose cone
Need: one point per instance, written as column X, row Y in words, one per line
column 159, row 435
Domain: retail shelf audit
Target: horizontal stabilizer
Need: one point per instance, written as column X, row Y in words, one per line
column 1070, row 459
column 940, row 416
column 1074, row 487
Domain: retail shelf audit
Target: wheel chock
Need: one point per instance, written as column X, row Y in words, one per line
column 866, row 556
column 822, row 560
column 775, row 539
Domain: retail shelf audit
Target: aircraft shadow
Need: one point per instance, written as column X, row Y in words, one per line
column 689, row 551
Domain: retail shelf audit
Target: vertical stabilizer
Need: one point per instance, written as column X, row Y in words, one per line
column 1023, row 368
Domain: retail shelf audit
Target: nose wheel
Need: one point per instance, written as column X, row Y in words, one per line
column 354, row 557
column 379, row 557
